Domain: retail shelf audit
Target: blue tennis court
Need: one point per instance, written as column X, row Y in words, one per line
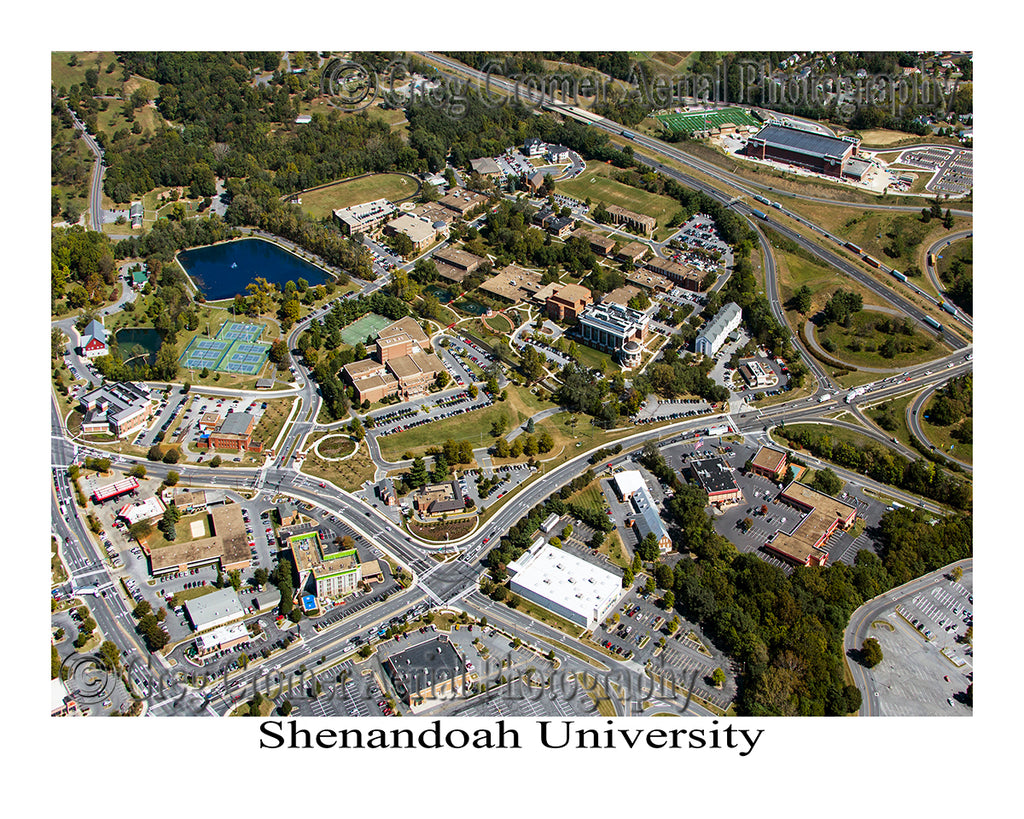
column 234, row 350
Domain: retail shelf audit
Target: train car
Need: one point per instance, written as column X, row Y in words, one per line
column 852, row 247
column 762, row 200
column 776, row 205
column 760, row 215
column 949, row 308
column 871, row 260
column 899, row 275
column 932, row 323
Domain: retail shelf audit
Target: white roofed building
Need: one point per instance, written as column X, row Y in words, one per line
column 565, row 584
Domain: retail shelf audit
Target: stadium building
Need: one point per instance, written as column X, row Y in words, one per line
column 796, row 146
column 565, row 584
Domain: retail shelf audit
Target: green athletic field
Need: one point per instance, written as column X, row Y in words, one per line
column 369, row 325
column 715, row 119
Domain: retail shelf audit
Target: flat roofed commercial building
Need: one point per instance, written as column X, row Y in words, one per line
column 628, row 482
column 118, row 407
column 807, row 149
column 756, row 374
column 410, row 327
column 213, row 610
column 221, row 638
column 419, row 231
column 459, row 258
column 427, row 672
column 365, row 368
column 642, row 222
column 227, row 545
column 146, row 509
column 235, row 432
column 715, row 479
column 415, row 373
column 806, row 544
column 565, row 584
column 621, row 295
column 716, row 331
column 609, row 326
column 363, row 218
column 376, row 388
column 650, row 281
column 769, row 463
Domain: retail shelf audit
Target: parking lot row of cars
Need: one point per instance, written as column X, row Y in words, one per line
column 450, row 413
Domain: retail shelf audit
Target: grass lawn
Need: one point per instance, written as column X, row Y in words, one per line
column 897, row 408
column 499, row 324
column 272, row 421
column 594, row 359
column 597, row 184
column 473, row 426
column 870, row 230
column 615, row 551
column 837, row 434
column 883, row 138
column 183, row 530
column 190, row 594
column 859, row 343
column 394, row 187
column 942, row 438
column 794, row 271
column 64, row 75
column 349, row 474
column 57, row 573
column 590, row 497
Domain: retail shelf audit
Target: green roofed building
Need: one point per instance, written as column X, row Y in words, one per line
column 326, row 570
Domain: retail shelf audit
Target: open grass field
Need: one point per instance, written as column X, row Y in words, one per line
column 62, row 74
column 699, row 121
column 837, row 434
column 272, row 421
column 795, row 271
column 859, row 344
column 349, row 474
column 362, row 328
column 897, row 409
column 597, row 185
column 391, row 186
column 942, row 438
column 883, row 138
column 183, row 531
column 473, row 426
column 590, row 497
column 499, row 324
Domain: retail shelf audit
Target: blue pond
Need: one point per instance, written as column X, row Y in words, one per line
column 222, row 271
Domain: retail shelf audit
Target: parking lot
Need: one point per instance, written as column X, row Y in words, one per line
column 924, row 670
column 502, row 479
column 425, row 410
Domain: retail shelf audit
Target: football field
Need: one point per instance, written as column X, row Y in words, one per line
column 701, row 120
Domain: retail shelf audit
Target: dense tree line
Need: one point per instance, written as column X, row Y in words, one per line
column 882, row 464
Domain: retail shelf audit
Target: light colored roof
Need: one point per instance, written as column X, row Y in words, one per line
column 628, row 482
column 141, row 510
column 573, row 293
column 416, row 229
column 410, row 327
column 720, row 323
column 768, row 458
column 633, row 250
column 484, row 166
column 218, row 607
column 567, row 580
column 363, row 369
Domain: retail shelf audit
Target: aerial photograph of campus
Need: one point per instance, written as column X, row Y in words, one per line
column 544, row 384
